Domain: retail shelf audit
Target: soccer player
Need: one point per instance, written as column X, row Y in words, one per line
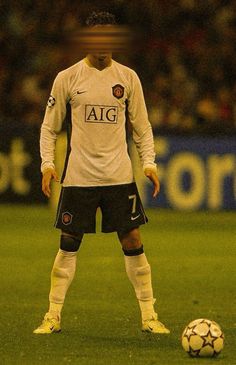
column 98, row 171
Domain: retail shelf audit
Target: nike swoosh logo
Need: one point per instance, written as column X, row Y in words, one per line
column 133, row 218
column 51, row 328
column 81, row 92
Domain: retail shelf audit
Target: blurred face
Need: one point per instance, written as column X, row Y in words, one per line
column 100, row 41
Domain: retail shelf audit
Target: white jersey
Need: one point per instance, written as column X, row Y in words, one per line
column 97, row 152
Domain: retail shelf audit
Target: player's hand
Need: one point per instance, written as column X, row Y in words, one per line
column 152, row 175
column 48, row 175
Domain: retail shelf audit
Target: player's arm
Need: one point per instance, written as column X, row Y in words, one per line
column 54, row 116
column 142, row 132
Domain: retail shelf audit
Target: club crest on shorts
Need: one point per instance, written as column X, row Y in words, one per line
column 51, row 101
column 118, row 91
column 67, row 218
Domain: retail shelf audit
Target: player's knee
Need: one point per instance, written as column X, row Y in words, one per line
column 70, row 243
column 130, row 240
column 133, row 246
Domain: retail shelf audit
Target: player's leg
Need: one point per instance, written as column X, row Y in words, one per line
column 139, row 273
column 62, row 274
column 122, row 211
column 76, row 214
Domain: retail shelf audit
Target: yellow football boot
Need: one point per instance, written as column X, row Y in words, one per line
column 49, row 325
column 154, row 326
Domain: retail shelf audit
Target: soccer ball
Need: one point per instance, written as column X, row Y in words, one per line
column 203, row 338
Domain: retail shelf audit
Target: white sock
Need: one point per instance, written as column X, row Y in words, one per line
column 139, row 273
column 62, row 274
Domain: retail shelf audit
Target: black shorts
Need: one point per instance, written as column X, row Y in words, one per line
column 121, row 208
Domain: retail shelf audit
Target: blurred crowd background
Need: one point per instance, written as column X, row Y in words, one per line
column 187, row 61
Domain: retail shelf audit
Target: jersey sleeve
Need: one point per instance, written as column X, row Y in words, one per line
column 142, row 130
column 52, row 123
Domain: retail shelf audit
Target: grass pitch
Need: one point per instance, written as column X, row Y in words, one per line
column 193, row 259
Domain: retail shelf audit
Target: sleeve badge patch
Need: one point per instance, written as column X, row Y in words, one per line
column 67, row 218
column 118, row 91
column 51, row 101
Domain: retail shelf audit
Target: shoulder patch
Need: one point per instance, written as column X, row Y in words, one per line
column 118, row 91
column 51, row 101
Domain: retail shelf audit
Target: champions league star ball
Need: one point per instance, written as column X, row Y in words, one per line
column 203, row 338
